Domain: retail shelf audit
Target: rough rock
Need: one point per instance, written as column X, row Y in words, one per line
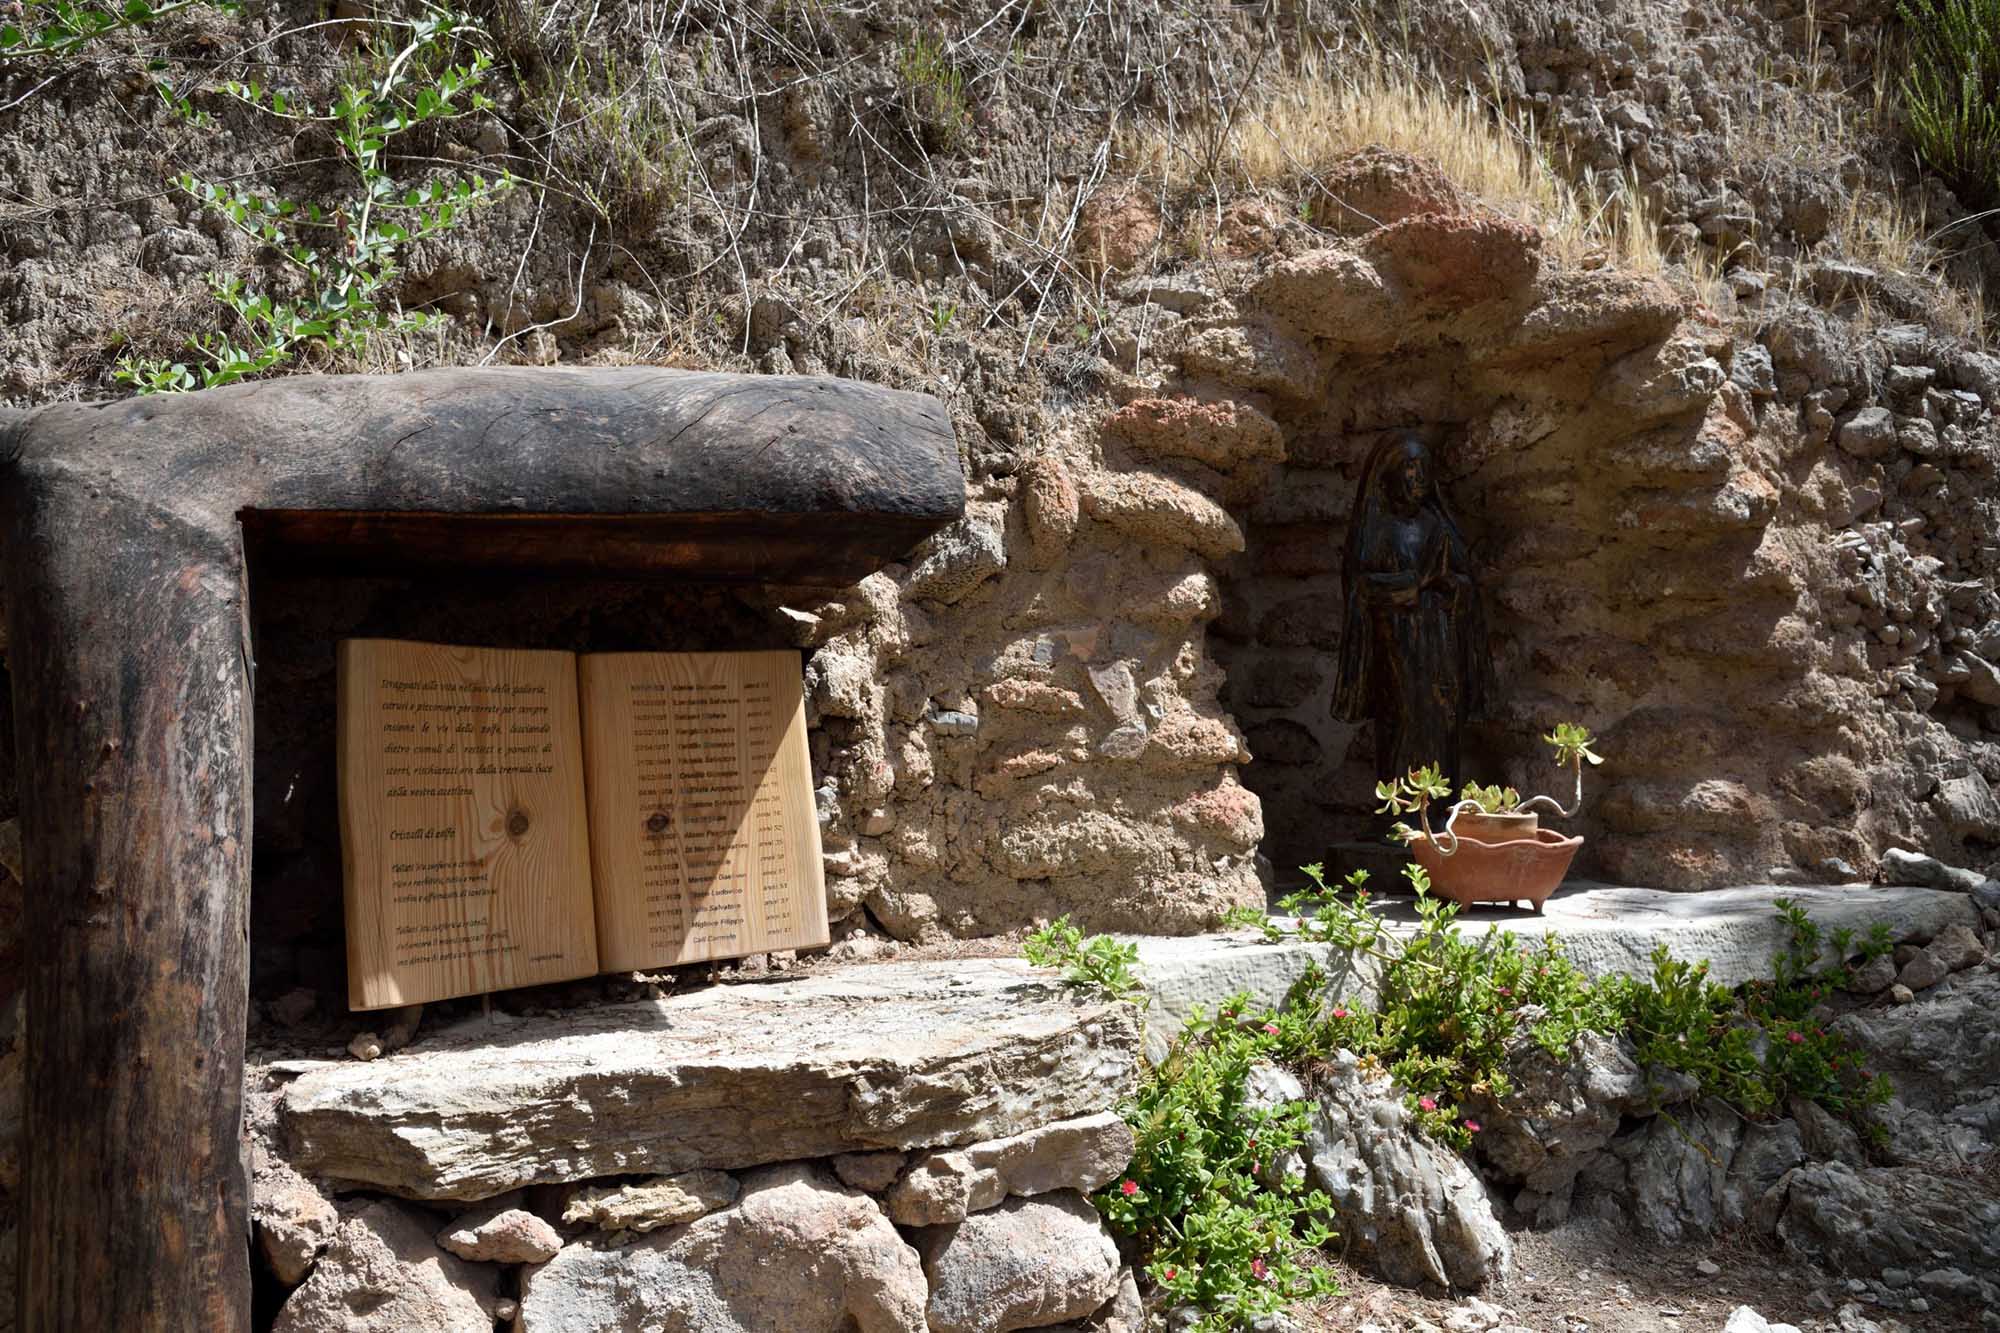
column 1333, row 294
column 1923, row 971
column 383, row 1274
column 1669, row 1176
column 1153, row 508
column 663, row 1201
column 798, row 1251
column 1872, row 977
column 1081, row 1155
column 896, row 1056
column 1116, row 230
column 1601, row 311
column 957, row 560
column 1861, row 1220
column 1869, row 433
column 294, row 1221
column 869, row 1172
column 1968, row 807
column 1560, row 1112
column 1050, row 506
column 1942, row 1059
column 501, row 1235
column 1220, row 434
column 1411, row 1209
column 1254, row 356
column 1957, row 948
column 1026, row 1263
column 1766, row 1153
column 1376, row 186
column 1460, row 258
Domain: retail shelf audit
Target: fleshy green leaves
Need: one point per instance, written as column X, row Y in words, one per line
column 1572, row 745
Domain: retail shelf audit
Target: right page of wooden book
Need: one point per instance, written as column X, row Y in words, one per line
column 704, row 840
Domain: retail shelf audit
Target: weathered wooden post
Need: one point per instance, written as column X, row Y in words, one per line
column 125, row 529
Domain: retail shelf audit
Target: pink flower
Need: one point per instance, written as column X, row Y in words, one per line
column 1257, row 1269
column 1795, row 1037
column 1340, row 1013
column 1128, row 1189
column 1271, row 1028
column 1472, row 1125
column 1506, row 990
column 1171, row 1274
column 1428, row 1103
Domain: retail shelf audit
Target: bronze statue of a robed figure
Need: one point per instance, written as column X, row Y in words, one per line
column 1413, row 653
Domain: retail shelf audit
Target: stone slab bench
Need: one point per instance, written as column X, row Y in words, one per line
column 1605, row 929
column 898, row 1055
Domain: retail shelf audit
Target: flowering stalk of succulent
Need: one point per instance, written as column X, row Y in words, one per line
column 1414, row 792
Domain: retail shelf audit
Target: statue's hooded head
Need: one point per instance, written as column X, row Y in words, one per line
column 1405, row 472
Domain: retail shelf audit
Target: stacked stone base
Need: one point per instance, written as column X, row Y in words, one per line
column 644, row 1166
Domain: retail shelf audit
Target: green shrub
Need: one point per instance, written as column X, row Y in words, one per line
column 1221, row 1226
column 346, row 252
column 1224, row 1230
column 1951, row 91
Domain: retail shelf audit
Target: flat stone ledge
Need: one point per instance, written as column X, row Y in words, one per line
column 899, row 1055
column 1605, row 929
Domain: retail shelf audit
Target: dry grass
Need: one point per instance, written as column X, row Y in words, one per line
column 1308, row 120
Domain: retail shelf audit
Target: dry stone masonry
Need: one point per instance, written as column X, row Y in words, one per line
column 634, row 1164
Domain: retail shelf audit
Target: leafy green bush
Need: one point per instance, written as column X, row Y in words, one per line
column 1223, row 1229
column 1951, row 91
column 346, row 253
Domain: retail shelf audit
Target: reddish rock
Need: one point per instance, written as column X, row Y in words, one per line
column 1221, row 434
column 1034, row 696
column 1249, row 228
column 1117, row 231
column 1464, row 259
column 1229, row 811
column 1377, row 186
column 1198, row 742
column 1049, row 504
column 1606, row 312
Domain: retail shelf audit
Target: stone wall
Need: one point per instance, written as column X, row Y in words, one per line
column 899, row 1149
column 1745, row 553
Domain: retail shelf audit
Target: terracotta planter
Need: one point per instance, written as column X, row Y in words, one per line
column 1524, row 870
column 1496, row 828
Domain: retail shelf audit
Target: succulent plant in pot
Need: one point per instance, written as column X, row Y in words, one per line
column 1491, row 846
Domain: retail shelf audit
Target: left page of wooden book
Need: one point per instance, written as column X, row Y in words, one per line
column 463, row 831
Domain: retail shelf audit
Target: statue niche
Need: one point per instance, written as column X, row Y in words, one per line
column 1413, row 651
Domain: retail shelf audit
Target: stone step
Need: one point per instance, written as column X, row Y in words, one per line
column 1606, row 930
column 898, row 1055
